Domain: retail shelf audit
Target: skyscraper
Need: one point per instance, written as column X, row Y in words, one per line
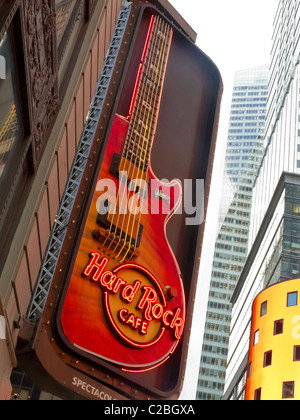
column 275, row 226
column 243, row 157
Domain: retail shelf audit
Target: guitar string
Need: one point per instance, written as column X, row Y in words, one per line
column 159, row 28
column 112, row 235
column 146, row 94
column 154, row 98
column 169, row 37
column 166, row 33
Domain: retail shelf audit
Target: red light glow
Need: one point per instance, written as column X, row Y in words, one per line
column 152, row 302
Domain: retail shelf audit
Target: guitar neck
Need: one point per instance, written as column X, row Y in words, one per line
column 148, row 94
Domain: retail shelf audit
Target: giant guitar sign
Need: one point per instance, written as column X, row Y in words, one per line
column 125, row 271
column 120, row 306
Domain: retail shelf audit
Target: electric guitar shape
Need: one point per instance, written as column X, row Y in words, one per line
column 126, row 303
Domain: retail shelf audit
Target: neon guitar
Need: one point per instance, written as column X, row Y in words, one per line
column 125, row 302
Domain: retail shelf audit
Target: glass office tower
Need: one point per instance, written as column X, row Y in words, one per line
column 275, row 220
column 243, row 157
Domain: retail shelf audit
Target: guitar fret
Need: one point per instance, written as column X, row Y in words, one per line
column 143, row 125
column 150, row 82
column 152, row 67
column 143, row 122
column 147, row 105
column 134, row 147
column 146, row 102
column 140, row 164
column 161, row 35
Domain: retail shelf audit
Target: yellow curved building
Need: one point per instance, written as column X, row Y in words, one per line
column 274, row 356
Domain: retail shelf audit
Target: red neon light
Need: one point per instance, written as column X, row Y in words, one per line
column 151, row 309
column 176, row 324
column 96, row 266
column 158, row 307
column 136, row 322
column 150, row 296
column 136, row 88
column 152, row 21
column 166, row 314
column 141, row 67
column 129, row 292
column 143, row 270
column 163, row 79
column 123, row 336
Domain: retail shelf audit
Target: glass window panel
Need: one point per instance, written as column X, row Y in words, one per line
column 288, row 389
column 292, row 299
column 289, row 207
column 292, row 207
column 263, row 309
column 257, row 395
column 10, row 124
column 296, row 353
column 290, row 268
column 288, row 226
column 286, row 267
column 64, row 9
column 268, row 359
column 289, row 190
column 278, row 327
column 296, row 190
column 256, row 338
column 291, row 246
column 296, row 227
column 295, row 268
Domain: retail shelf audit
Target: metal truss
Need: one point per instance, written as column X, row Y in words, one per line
column 57, row 238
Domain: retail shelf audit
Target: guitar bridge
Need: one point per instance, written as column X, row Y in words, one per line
column 126, row 228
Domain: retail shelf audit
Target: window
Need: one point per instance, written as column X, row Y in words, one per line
column 257, row 395
column 288, row 390
column 256, row 338
column 263, row 308
column 71, row 18
column 64, row 9
column 268, row 358
column 292, row 299
column 296, row 353
column 10, row 123
column 278, row 327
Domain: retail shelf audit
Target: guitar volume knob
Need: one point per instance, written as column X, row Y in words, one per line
column 171, row 293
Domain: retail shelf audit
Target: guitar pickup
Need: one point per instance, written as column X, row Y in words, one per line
column 132, row 172
column 125, row 227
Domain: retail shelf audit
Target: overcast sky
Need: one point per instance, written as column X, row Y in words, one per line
column 233, row 33
column 236, row 35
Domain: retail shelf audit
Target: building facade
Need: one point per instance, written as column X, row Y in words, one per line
column 273, row 371
column 274, row 237
column 243, row 157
